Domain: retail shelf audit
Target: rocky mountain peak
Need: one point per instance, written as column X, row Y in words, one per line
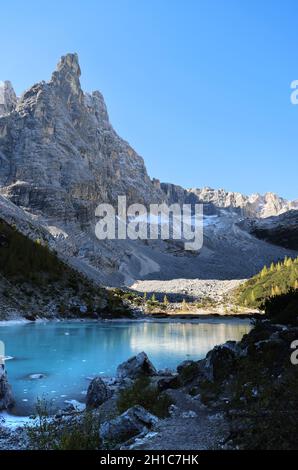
column 255, row 205
column 69, row 63
column 67, row 77
column 59, row 154
column 8, row 99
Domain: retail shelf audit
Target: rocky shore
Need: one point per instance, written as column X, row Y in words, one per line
column 232, row 399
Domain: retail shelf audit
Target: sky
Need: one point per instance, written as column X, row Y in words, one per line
column 199, row 88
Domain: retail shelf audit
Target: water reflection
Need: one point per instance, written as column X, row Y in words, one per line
column 68, row 353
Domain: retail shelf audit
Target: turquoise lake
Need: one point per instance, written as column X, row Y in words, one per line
column 69, row 354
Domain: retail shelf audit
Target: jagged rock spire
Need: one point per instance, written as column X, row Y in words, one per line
column 69, row 63
column 8, row 99
column 67, row 75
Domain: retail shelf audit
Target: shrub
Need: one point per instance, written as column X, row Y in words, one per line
column 146, row 395
column 81, row 433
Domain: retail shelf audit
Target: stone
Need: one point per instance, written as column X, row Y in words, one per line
column 168, row 382
column 97, row 393
column 220, row 361
column 6, row 397
column 135, row 367
column 37, row 376
column 134, row 421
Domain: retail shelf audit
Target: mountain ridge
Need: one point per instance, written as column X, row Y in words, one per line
column 60, row 157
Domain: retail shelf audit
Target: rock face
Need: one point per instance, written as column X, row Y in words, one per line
column 135, row 367
column 97, row 393
column 281, row 230
column 255, row 205
column 134, row 421
column 177, row 194
column 8, row 99
column 6, row 398
column 59, row 153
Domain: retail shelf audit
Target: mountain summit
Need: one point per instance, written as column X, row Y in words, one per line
column 59, row 153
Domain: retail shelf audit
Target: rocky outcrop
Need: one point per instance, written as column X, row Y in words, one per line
column 220, row 361
column 6, row 397
column 59, row 153
column 133, row 422
column 135, row 367
column 8, row 99
column 97, row 393
column 281, row 230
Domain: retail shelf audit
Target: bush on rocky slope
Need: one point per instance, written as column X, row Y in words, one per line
column 142, row 393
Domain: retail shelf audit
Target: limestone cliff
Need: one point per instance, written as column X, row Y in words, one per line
column 59, row 153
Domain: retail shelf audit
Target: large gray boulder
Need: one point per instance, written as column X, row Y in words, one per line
column 136, row 366
column 97, row 393
column 220, row 361
column 132, row 422
column 6, row 397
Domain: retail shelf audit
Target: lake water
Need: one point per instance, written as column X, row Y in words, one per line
column 70, row 353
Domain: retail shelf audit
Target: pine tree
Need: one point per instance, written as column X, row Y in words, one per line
column 264, row 271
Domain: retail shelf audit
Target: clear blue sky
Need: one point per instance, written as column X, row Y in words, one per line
column 200, row 88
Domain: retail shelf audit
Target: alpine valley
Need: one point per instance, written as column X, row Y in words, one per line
column 212, row 370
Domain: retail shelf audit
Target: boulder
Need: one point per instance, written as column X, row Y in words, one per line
column 220, row 361
column 97, row 393
column 136, row 366
column 134, row 421
column 168, row 382
column 6, row 397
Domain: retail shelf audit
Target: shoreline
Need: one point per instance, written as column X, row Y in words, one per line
column 154, row 317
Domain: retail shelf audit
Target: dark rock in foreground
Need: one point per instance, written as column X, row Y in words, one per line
column 135, row 367
column 6, row 397
column 97, row 393
column 133, row 422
